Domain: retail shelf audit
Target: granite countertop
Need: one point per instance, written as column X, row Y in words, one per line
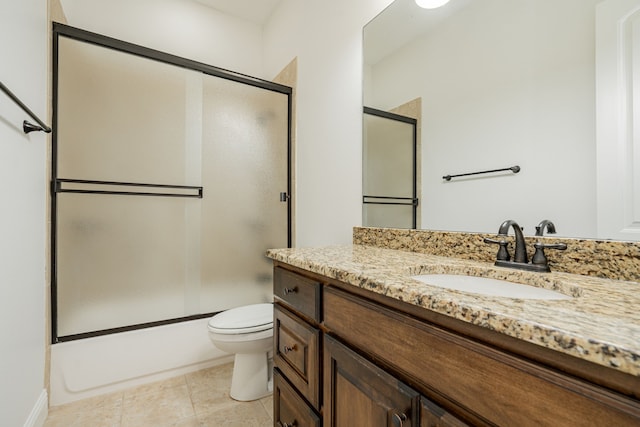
column 601, row 323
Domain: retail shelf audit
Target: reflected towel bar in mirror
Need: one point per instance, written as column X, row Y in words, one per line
column 514, row 169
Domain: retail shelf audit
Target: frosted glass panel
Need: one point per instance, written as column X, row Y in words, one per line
column 125, row 260
column 388, row 157
column 120, row 117
column 244, row 170
column 388, row 172
column 121, row 260
column 394, row 216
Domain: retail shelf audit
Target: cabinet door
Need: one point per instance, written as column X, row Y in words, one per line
column 359, row 394
column 432, row 415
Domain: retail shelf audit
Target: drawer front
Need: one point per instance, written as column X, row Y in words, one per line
column 485, row 384
column 289, row 409
column 298, row 292
column 297, row 353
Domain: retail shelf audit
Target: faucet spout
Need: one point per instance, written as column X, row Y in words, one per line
column 520, row 255
column 551, row 228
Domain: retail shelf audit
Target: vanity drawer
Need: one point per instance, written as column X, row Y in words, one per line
column 289, row 409
column 297, row 353
column 300, row 293
column 490, row 386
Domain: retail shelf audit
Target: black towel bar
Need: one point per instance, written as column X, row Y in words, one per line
column 514, row 169
column 26, row 126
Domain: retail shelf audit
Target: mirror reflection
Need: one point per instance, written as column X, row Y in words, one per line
column 389, row 170
column 501, row 83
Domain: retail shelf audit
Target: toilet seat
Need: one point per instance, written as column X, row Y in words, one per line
column 243, row 320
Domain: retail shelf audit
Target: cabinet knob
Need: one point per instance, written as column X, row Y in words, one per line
column 288, row 349
column 293, row 423
column 398, row 419
column 287, row 291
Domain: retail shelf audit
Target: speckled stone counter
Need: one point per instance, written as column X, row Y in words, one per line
column 609, row 259
column 601, row 323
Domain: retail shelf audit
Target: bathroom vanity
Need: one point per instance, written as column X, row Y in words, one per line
column 358, row 342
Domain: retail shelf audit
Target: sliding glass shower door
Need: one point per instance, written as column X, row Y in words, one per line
column 389, row 172
column 166, row 186
column 244, row 169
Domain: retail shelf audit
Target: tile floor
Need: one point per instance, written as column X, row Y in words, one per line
column 198, row 399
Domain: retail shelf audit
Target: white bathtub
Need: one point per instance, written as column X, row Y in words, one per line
column 99, row 365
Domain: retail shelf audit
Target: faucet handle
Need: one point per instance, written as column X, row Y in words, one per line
column 503, row 254
column 539, row 258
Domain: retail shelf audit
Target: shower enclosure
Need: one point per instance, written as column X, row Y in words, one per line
column 170, row 179
column 389, row 170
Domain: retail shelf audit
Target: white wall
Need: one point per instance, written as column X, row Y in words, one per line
column 504, row 83
column 23, row 43
column 179, row 27
column 326, row 37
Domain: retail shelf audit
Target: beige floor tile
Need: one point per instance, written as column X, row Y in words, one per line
column 198, row 399
column 209, row 388
column 217, row 375
column 186, row 422
column 267, row 403
column 100, row 411
column 241, row 414
column 165, row 406
column 156, row 386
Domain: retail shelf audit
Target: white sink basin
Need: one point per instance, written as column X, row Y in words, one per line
column 489, row 287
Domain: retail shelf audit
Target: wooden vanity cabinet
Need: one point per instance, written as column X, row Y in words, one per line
column 357, row 393
column 296, row 353
column 289, row 408
column 366, row 360
column 480, row 383
column 299, row 293
column 432, row 415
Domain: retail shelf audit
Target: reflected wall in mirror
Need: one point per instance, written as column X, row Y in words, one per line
column 502, row 82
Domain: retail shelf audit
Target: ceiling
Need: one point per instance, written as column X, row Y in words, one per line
column 257, row 11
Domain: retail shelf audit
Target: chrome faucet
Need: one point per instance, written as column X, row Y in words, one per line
column 520, row 254
column 550, row 226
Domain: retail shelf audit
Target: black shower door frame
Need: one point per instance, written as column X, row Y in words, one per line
column 60, row 185
column 372, row 199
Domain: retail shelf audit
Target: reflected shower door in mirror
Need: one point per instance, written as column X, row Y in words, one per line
column 167, row 186
column 512, row 82
column 389, row 178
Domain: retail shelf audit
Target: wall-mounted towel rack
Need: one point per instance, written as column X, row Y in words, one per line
column 136, row 189
column 387, row 200
column 514, row 169
column 26, row 125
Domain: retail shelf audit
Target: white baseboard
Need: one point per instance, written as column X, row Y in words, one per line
column 110, row 363
column 39, row 413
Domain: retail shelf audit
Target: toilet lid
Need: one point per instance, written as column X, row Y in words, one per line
column 243, row 320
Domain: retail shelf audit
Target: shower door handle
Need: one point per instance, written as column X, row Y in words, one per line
column 284, row 197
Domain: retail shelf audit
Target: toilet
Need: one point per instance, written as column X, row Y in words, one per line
column 246, row 332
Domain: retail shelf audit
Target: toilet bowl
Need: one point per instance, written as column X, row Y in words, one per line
column 246, row 332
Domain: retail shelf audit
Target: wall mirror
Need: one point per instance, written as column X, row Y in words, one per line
column 517, row 82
